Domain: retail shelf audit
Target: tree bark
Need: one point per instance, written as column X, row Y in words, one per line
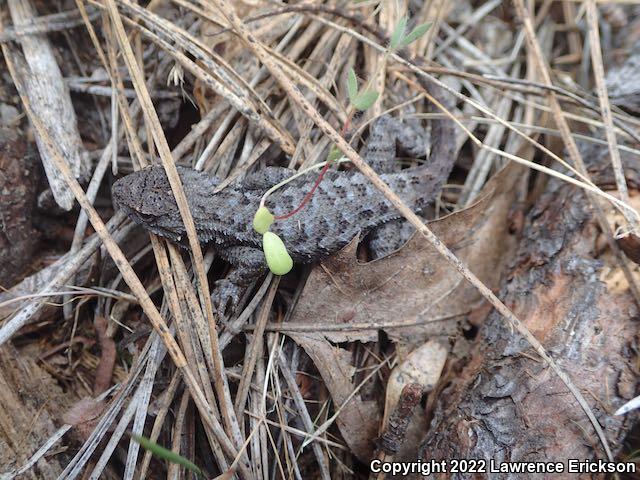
column 30, row 407
column 18, row 181
column 507, row 405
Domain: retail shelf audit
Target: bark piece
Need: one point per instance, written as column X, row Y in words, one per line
column 395, row 432
column 18, row 182
column 507, row 405
column 30, row 401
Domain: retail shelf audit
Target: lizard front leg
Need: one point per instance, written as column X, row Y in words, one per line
column 249, row 264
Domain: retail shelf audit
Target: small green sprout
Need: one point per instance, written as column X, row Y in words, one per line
column 275, row 252
column 400, row 38
column 365, row 100
column 360, row 100
column 262, row 220
column 166, row 454
column 416, row 33
column 398, row 33
column 352, row 84
column 334, row 154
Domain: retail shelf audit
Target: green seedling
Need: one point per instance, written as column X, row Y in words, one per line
column 397, row 36
column 365, row 100
column 167, row 454
column 400, row 38
column 359, row 100
column 416, row 33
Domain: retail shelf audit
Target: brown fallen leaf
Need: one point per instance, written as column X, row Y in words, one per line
column 359, row 419
column 104, row 370
column 403, row 294
column 413, row 284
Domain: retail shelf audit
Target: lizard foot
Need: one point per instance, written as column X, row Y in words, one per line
column 226, row 296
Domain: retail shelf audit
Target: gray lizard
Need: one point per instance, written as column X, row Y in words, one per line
column 344, row 205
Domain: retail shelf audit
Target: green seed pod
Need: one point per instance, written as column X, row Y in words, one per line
column 262, row 220
column 276, row 254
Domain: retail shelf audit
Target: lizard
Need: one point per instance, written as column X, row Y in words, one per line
column 344, row 205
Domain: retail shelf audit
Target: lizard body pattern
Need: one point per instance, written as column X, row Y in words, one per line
column 344, row 205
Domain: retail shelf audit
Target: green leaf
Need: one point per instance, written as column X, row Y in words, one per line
column 398, row 33
column 334, row 154
column 276, row 254
column 416, row 33
column 166, row 454
column 352, row 84
column 262, row 220
column 365, row 100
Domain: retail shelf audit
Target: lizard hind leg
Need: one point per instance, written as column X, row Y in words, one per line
column 389, row 237
column 249, row 265
column 411, row 137
column 380, row 151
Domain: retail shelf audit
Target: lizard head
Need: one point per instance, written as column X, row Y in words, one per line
column 147, row 199
column 146, row 193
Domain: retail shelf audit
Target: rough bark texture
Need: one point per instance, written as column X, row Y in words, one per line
column 29, row 401
column 17, row 199
column 507, row 405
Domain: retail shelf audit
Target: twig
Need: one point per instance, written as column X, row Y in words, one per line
column 394, row 435
column 37, row 76
column 47, row 23
column 255, row 347
column 605, row 106
column 348, row 327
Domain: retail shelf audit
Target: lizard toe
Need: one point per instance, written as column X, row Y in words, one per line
column 226, row 296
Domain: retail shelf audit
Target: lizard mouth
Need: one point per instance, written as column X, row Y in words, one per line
column 144, row 217
column 148, row 221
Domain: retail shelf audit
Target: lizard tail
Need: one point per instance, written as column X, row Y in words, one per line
column 435, row 171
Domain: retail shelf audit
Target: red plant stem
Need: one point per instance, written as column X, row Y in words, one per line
column 307, row 197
